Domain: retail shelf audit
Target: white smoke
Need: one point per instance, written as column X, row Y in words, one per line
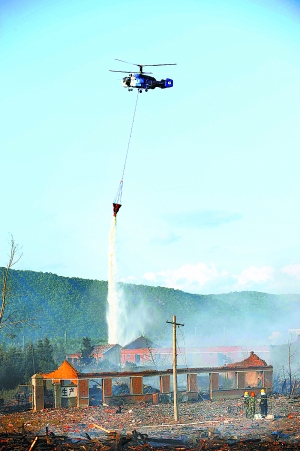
column 135, row 319
column 124, row 323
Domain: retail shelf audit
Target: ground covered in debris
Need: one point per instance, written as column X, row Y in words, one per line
column 205, row 425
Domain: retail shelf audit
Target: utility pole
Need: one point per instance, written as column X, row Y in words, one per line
column 173, row 322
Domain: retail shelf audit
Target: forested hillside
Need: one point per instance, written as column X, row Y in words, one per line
column 72, row 307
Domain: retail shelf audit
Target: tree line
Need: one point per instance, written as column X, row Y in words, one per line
column 17, row 365
column 44, row 304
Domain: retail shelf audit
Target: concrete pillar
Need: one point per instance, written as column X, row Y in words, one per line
column 83, row 393
column 191, row 383
column 37, row 392
column 57, row 394
column 240, row 379
column 136, row 385
column 262, row 379
column 106, row 388
column 164, row 383
column 268, row 378
column 213, row 383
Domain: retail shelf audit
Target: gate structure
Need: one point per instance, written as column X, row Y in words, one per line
column 71, row 388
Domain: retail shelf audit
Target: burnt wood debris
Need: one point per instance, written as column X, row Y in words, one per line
column 203, row 425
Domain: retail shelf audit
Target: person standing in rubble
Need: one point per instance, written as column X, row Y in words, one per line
column 263, row 403
column 252, row 405
column 246, row 404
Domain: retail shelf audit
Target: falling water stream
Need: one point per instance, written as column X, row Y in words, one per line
column 113, row 314
column 116, row 314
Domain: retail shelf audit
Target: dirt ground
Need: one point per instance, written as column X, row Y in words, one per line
column 218, row 425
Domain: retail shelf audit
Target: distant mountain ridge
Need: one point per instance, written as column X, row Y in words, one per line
column 77, row 307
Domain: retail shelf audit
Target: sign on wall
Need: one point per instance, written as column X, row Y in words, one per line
column 69, row 392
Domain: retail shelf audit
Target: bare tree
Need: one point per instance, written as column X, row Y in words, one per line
column 8, row 321
column 292, row 351
column 289, row 366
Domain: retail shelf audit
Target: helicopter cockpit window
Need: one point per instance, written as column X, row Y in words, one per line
column 127, row 81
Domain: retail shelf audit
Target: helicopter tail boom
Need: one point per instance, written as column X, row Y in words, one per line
column 162, row 84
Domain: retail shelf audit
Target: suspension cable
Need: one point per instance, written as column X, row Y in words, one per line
column 118, row 198
column 137, row 97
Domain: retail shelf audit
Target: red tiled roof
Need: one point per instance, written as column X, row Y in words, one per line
column 101, row 349
column 65, row 371
column 141, row 343
column 252, row 361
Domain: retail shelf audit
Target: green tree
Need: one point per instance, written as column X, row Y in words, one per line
column 59, row 351
column 86, row 352
column 29, row 364
column 11, row 368
column 44, row 359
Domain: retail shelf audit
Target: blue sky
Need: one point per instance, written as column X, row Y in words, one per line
column 211, row 187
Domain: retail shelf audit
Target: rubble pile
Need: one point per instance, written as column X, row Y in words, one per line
column 206, row 425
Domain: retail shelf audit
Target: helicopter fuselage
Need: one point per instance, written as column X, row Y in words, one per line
column 142, row 81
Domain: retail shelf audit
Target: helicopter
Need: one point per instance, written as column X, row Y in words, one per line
column 142, row 80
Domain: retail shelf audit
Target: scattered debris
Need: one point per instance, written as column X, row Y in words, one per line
column 205, row 425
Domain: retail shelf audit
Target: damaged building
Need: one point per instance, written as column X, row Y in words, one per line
column 143, row 352
column 71, row 388
column 108, row 352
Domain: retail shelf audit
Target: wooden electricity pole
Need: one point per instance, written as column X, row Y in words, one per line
column 173, row 322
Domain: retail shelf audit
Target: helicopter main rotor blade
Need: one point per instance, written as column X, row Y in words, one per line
column 166, row 64
column 116, row 59
column 126, row 72
column 134, row 64
column 122, row 71
column 143, row 65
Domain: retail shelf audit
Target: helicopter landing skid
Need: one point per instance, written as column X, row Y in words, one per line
column 140, row 90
